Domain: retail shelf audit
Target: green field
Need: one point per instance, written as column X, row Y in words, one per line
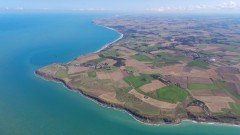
column 152, row 48
column 110, row 53
column 160, row 59
column 96, row 61
column 235, row 108
column 227, row 89
column 61, row 73
column 198, row 63
column 202, row 46
column 194, row 86
column 228, row 62
column 130, row 100
column 138, row 81
column 163, row 54
column 123, row 96
column 92, row 74
column 232, row 49
column 165, row 59
column 79, row 85
column 141, row 57
column 172, row 94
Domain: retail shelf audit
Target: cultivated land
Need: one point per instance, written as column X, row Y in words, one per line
column 163, row 70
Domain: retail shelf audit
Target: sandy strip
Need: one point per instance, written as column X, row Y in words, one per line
column 105, row 46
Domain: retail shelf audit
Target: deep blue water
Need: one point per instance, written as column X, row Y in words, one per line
column 32, row 106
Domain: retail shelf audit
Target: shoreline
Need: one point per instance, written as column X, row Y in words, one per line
column 142, row 119
column 109, row 44
column 136, row 117
column 104, row 46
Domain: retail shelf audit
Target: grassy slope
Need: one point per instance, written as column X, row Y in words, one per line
column 138, row 81
column 61, row 73
column 198, row 63
column 193, row 86
column 96, row 60
column 235, row 108
column 172, row 94
column 165, row 59
column 228, row 90
column 92, row 74
column 141, row 57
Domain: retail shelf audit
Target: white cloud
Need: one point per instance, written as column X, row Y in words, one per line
column 229, row 4
column 89, row 9
column 226, row 5
column 19, row 8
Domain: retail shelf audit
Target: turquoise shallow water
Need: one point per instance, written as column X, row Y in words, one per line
column 32, row 106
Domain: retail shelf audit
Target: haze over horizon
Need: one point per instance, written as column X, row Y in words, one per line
column 205, row 6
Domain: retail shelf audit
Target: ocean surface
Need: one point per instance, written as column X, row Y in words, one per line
column 32, row 106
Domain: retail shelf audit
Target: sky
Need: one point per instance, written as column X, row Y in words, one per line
column 125, row 5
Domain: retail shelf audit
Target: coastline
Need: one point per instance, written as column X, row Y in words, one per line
column 135, row 116
column 104, row 46
column 143, row 120
column 109, row 44
column 103, row 103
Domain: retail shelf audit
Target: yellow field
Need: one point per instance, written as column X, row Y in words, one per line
column 216, row 103
column 110, row 97
column 154, row 85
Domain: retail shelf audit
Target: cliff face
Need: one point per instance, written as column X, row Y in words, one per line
column 146, row 119
column 131, row 111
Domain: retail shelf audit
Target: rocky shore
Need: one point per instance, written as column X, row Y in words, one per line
column 229, row 120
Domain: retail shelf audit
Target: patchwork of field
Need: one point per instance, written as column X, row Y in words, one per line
column 162, row 65
column 216, row 103
column 154, row 85
column 153, row 102
column 195, row 109
column 110, row 97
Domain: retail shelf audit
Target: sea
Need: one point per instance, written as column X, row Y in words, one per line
column 32, row 106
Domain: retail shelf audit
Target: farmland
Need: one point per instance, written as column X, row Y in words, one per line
column 172, row 94
column 203, row 87
column 162, row 70
column 141, row 57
